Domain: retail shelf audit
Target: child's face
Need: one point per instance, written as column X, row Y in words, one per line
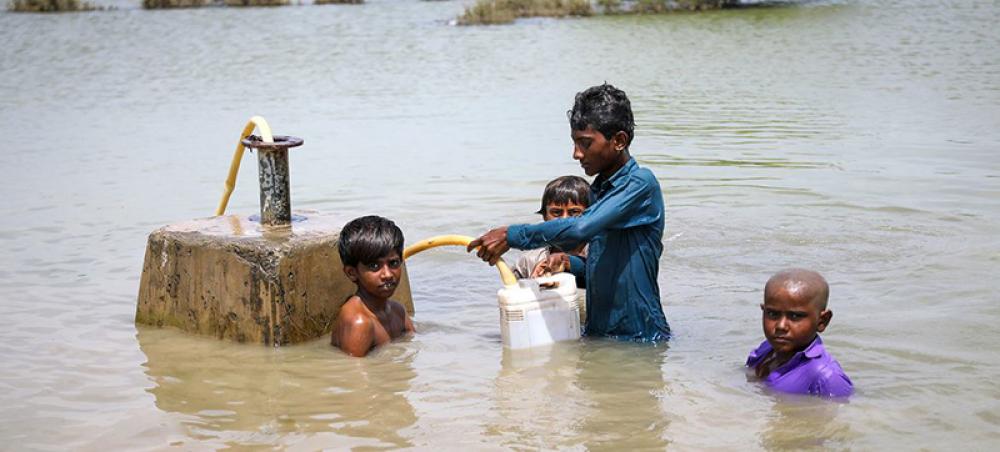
column 791, row 320
column 562, row 210
column 378, row 278
column 596, row 153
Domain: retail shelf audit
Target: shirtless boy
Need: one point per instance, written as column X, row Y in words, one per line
column 371, row 249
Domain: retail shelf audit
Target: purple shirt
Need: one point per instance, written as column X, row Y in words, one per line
column 811, row 371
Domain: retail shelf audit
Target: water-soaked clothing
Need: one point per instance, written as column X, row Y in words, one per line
column 811, row 371
column 624, row 229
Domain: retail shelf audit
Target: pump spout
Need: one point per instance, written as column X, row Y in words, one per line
column 506, row 275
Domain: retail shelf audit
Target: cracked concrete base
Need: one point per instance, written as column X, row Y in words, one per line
column 230, row 278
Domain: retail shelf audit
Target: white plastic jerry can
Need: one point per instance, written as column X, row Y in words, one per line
column 531, row 315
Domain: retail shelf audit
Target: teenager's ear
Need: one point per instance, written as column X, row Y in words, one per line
column 824, row 320
column 351, row 272
column 619, row 140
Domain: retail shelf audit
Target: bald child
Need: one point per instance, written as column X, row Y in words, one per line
column 793, row 359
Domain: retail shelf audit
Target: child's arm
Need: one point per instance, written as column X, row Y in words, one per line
column 553, row 263
column 355, row 333
column 634, row 203
column 563, row 262
column 401, row 311
column 831, row 381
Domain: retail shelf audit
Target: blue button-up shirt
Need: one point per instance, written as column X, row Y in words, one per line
column 624, row 227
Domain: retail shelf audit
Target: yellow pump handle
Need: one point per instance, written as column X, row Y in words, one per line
column 255, row 122
column 458, row 240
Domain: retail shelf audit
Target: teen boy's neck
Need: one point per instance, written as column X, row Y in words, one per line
column 618, row 164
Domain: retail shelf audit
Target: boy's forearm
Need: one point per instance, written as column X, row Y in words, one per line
column 565, row 233
column 568, row 233
column 491, row 245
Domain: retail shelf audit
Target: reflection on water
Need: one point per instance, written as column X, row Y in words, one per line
column 537, row 401
column 804, row 423
column 603, row 395
column 669, row 160
column 256, row 395
column 623, row 396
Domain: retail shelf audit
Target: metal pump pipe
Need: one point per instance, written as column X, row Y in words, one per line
column 272, row 170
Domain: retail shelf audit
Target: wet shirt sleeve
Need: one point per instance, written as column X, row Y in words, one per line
column 831, row 381
column 626, row 205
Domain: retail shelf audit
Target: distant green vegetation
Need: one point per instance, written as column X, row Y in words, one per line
column 488, row 12
column 162, row 4
column 483, row 12
column 663, row 6
column 159, row 4
column 48, row 6
column 256, row 2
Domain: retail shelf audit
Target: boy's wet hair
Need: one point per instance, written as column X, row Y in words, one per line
column 367, row 239
column 606, row 109
column 564, row 190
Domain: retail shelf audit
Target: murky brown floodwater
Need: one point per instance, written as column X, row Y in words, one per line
column 859, row 138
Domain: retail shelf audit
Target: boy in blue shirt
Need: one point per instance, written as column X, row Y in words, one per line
column 623, row 225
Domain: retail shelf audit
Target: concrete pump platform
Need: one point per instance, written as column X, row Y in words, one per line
column 231, row 278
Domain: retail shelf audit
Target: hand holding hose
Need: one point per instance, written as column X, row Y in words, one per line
column 505, row 274
column 491, row 245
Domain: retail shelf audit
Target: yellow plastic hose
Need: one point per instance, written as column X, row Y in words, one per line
column 458, row 240
column 255, row 122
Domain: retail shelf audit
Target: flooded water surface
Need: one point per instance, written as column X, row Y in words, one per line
column 857, row 138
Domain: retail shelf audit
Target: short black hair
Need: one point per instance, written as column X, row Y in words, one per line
column 566, row 189
column 606, row 109
column 367, row 239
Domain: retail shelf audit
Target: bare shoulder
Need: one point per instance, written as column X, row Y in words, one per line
column 352, row 316
column 353, row 330
column 353, row 311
